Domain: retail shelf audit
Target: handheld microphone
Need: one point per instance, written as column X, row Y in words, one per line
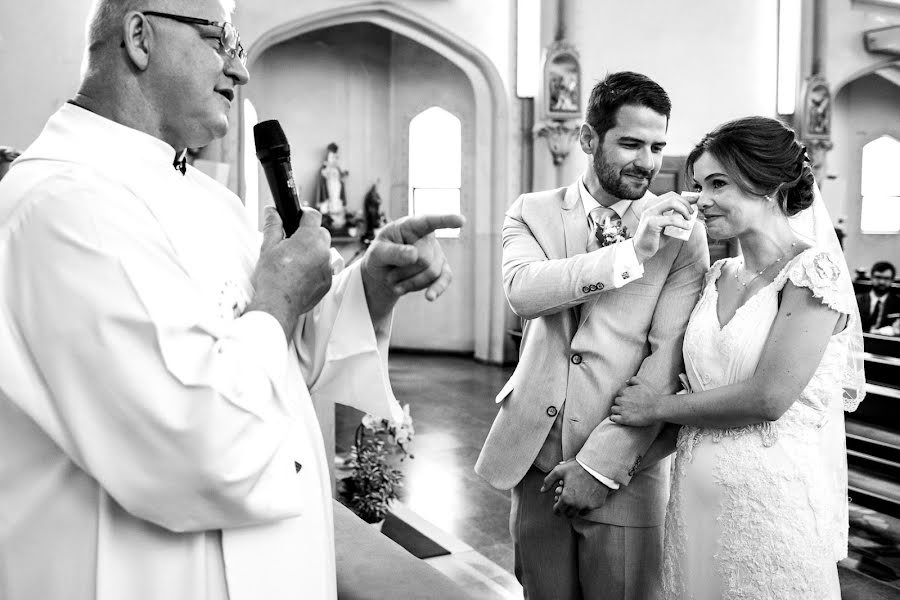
column 274, row 153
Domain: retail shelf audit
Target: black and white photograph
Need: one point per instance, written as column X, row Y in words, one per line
column 450, row 300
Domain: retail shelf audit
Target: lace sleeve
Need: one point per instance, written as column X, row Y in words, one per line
column 819, row 271
column 714, row 271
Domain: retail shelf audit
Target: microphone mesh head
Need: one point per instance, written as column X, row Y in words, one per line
column 269, row 135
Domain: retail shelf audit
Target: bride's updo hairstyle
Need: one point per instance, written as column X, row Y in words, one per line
column 764, row 158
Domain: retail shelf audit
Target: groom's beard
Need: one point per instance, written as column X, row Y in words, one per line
column 617, row 184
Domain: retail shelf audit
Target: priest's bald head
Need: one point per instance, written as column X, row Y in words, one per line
column 165, row 67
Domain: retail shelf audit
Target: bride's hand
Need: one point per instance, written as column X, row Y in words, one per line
column 636, row 405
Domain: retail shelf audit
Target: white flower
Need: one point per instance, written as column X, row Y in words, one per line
column 400, row 432
column 826, row 271
column 371, row 423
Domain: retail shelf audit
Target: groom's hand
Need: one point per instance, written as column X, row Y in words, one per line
column 575, row 490
column 670, row 209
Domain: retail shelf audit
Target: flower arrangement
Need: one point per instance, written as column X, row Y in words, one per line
column 373, row 483
column 611, row 232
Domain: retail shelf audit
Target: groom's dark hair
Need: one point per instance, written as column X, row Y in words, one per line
column 624, row 88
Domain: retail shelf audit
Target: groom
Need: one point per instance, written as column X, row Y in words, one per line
column 587, row 500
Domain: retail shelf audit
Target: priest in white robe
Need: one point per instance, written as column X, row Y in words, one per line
column 157, row 433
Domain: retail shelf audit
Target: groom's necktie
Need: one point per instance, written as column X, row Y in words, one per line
column 596, row 220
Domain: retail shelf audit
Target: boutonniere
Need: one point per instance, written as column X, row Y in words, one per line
column 611, row 231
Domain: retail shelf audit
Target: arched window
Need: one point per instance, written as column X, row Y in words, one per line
column 435, row 165
column 881, row 186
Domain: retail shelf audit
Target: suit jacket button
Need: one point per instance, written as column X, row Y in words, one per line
column 592, row 287
column 585, row 289
column 551, row 411
column 599, row 286
column 576, row 359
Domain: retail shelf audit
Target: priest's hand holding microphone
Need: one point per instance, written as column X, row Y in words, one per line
column 294, row 268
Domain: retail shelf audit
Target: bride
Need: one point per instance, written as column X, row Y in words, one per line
column 758, row 504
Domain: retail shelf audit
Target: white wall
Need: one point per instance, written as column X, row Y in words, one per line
column 41, row 45
column 716, row 60
column 846, row 57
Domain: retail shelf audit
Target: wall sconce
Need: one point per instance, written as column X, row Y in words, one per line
column 790, row 14
column 560, row 136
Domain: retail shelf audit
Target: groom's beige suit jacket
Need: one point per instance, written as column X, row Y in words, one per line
column 582, row 340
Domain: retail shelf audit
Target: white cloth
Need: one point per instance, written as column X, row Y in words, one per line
column 149, row 427
column 752, row 512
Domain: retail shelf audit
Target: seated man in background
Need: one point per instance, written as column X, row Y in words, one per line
column 879, row 308
column 157, row 434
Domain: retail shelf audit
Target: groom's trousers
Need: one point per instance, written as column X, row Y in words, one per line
column 557, row 558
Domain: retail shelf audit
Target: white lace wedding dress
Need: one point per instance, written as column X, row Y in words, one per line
column 759, row 512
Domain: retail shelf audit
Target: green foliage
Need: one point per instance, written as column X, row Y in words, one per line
column 372, row 483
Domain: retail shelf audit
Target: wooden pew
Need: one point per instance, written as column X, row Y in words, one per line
column 881, row 345
column 873, row 457
column 882, row 370
column 873, row 431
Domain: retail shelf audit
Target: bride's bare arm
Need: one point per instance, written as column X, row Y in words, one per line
column 792, row 352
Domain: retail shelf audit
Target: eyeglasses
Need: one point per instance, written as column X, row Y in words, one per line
column 229, row 40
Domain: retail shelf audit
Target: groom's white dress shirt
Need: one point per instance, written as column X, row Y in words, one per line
column 151, row 430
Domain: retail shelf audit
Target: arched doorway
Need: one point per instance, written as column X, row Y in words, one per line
column 867, row 107
column 490, row 180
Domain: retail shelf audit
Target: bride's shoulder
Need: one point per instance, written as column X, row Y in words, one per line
column 716, row 269
column 820, row 271
column 820, row 265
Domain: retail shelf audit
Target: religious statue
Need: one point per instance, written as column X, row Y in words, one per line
column 331, row 197
column 375, row 218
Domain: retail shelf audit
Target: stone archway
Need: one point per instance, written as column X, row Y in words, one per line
column 491, row 121
column 865, row 107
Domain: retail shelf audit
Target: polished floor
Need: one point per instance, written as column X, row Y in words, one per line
column 451, row 400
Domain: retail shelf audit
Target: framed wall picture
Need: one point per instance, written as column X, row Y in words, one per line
column 815, row 117
column 562, row 82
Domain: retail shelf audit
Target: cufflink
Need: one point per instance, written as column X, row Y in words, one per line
column 625, row 275
column 297, row 466
column 637, row 463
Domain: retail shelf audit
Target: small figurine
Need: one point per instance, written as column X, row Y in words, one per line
column 331, row 196
column 375, row 218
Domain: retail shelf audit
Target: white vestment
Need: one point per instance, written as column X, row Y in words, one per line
column 150, row 428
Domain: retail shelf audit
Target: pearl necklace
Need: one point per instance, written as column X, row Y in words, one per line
column 763, row 270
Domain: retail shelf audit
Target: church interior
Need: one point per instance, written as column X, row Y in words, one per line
column 406, row 107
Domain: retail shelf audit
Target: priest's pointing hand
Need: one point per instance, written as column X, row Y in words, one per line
column 406, row 257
